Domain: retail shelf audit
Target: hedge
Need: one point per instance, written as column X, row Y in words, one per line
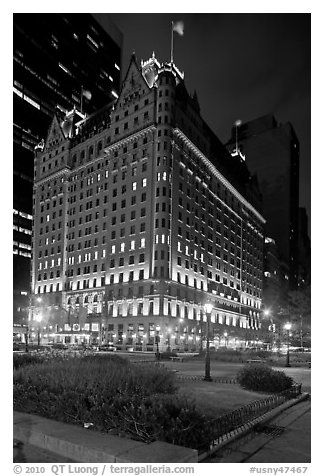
column 262, row 378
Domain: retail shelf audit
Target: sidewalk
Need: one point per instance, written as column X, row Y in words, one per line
column 26, row 453
column 285, row 439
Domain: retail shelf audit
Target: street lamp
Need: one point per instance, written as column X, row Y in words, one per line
column 169, row 339
column 180, row 321
column 288, row 327
column 208, row 309
column 157, row 340
column 225, row 337
column 38, row 319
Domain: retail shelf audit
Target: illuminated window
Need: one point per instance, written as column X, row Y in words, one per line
column 132, row 245
column 144, row 182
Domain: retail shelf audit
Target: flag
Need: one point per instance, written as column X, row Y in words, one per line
column 87, row 94
column 178, row 26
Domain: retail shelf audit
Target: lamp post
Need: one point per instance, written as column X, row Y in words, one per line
column 38, row 319
column 180, row 321
column 225, row 338
column 288, row 327
column 157, row 340
column 169, row 339
column 208, row 309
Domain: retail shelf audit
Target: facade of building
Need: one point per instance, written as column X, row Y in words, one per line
column 271, row 151
column 60, row 60
column 304, row 249
column 141, row 217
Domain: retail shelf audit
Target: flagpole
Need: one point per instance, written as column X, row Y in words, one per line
column 172, row 42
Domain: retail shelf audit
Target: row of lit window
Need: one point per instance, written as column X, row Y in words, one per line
column 22, row 214
column 22, row 230
column 51, row 275
column 26, row 254
column 22, row 245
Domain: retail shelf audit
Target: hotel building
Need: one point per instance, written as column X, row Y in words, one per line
column 141, row 217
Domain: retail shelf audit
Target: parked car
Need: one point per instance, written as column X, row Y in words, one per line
column 59, row 346
column 107, row 348
column 19, row 346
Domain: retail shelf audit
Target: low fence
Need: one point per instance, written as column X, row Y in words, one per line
column 233, row 422
column 230, row 380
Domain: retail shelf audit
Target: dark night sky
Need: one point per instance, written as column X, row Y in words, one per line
column 243, row 66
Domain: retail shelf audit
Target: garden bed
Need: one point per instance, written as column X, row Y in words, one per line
column 111, row 394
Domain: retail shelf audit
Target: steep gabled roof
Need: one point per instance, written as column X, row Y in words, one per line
column 133, row 81
column 55, row 134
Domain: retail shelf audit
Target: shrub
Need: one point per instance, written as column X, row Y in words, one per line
column 105, row 373
column 263, row 379
column 133, row 400
column 32, row 358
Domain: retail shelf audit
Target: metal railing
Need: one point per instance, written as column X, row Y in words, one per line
column 231, row 423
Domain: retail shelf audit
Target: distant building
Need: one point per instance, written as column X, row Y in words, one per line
column 271, row 151
column 276, row 280
column 141, row 217
column 304, row 248
column 60, row 60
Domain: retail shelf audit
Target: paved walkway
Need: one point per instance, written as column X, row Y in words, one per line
column 26, row 453
column 285, row 439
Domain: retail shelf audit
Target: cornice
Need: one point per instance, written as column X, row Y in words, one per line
column 129, row 138
column 178, row 133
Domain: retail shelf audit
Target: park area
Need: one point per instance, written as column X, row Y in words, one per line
column 130, row 396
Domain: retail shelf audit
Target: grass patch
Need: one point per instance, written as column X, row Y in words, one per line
column 214, row 399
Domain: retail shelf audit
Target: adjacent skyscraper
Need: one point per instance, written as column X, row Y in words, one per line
column 141, row 218
column 271, row 151
column 60, row 60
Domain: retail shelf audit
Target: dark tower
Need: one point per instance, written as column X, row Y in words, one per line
column 271, row 151
column 60, row 60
